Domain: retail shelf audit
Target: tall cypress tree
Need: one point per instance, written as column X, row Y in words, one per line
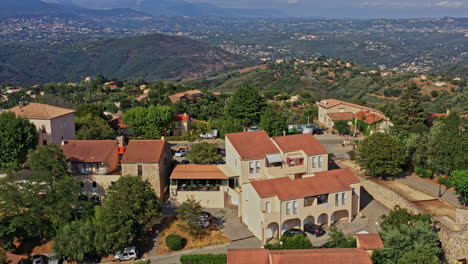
column 410, row 116
column 246, row 104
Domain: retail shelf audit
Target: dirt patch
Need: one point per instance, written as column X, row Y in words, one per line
column 245, row 70
column 409, row 193
column 438, row 208
column 214, row 236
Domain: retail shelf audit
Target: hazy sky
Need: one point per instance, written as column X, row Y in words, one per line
column 357, row 8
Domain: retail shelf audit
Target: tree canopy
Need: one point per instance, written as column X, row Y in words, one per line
column 75, row 240
column 203, row 153
column 151, row 122
column 381, row 155
column 93, row 128
column 190, row 211
column 18, row 136
column 410, row 114
column 459, row 180
column 275, row 123
column 338, row 239
column 246, row 104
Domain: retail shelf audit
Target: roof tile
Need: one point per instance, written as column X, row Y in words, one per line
column 198, row 171
column 144, row 151
column 40, row 111
column 306, row 142
column 252, row 145
column 90, row 150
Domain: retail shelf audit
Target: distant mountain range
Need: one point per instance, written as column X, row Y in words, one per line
column 153, row 57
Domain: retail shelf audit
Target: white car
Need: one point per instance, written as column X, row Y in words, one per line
column 130, row 253
column 181, row 153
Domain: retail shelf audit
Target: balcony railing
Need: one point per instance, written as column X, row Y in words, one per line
column 195, row 188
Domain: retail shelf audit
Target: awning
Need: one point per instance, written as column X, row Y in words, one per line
column 274, row 158
column 296, row 156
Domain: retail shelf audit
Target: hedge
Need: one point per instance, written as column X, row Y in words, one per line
column 175, row 242
column 204, row 259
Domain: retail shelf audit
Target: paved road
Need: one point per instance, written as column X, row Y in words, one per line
column 430, row 188
column 373, row 210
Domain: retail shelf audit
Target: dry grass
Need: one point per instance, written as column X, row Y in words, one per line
column 214, row 236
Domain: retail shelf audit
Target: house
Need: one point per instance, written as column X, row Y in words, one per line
column 182, row 124
column 299, row 256
column 188, row 95
column 285, row 183
column 95, row 162
column 369, row 242
column 332, row 110
column 53, row 124
column 206, row 183
column 376, row 123
column 151, row 160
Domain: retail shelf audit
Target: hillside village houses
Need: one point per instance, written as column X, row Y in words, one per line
column 53, row 124
column 332, row 110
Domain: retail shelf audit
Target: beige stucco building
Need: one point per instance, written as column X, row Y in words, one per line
column 96, row 164
column 53, row 124
column 149, row 159
column 284, row 182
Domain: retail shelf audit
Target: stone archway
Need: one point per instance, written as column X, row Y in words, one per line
column 341, row 215
column 271, row 231
column 291, row 223
column 309, row 220
column 322, row 219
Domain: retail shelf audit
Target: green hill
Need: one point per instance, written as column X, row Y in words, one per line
column 153, row 57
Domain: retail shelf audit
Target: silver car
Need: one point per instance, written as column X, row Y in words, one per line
column 129, row 253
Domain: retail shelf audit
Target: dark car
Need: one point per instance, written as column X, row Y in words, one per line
column 207, row 216
column 293, row 232
column 185, row 162
column 315, row 230
column 90, row 259
column 317, row 131
column 222, row 152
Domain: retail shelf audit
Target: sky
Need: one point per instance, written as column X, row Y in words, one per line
column 356, row 8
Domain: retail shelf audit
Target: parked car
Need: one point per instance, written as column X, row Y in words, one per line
column 185, row 162
column 315, row 230
column 222, row 152
column 254, row 128
column 203, row 222
column 181, row 153
column 317, row 131
column 54, row 259
column 129, row 253
column 38, row 259
column 206, row 215
column 293, row 232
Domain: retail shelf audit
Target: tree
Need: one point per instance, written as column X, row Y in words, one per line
column 129, row 205
column 93, row 128
column 95, row 110
column 274, row 122
column 401, row 216
column 227, row 125
column 410, row 116
column 447, row 145
column 190, row 211
column 338, row 239
column 75, row 240
column 203, row 153
column 342, row 127
column 381, row 155
column 459, row 180
column 246, row 104
column 18, row 136
column 3, row 257
column 152, row 122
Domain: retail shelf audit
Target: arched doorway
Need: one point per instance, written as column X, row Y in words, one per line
column 322, row 219
column 341, row 215
column 96, row 199
column 271, row 231
column 309, row 220
column 291, row 223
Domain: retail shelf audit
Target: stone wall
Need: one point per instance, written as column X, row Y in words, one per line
column 454, row 243
column 150, row 172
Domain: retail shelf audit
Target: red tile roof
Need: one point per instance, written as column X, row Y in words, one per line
column 369, row 241
column 252, row 145
column 306, row 142
column 199, row 172
column 144, row 151
column 329, row 103
column 90, row 150
column 368, row 117
column 14, row 259
column 299, row 256
column 181, row 117
column 176, row 97
column 341, row 116
column 40, row 111
column 322, row 183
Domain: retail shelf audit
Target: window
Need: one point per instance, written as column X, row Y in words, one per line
column 320, row 161
column 251, row 167
column 43, row 129
column 268, row 207
column 343, row 198
column 257, row 166
column 314, row 162
column 337, row 199
column 295, row 207
column 82, row 185
column 308, row 201
column 341, row 109
column 94, row 184
column 322, row 199
column 44, row 142
column 140, row 170
column 288, row 208
column 179, row 124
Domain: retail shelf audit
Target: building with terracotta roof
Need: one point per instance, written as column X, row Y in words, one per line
column 149, row 159
column 191, row 95
column 95, row 162
column 182, row 124
column 299, row 256
column 332, row 110
column 286, row 183
column 206, row 183
column 369, row 242
column 53, row 124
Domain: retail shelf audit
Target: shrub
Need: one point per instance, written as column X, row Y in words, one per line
column 423, row 173
column 204, row 259
column 296, row 242
column 175, row 242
